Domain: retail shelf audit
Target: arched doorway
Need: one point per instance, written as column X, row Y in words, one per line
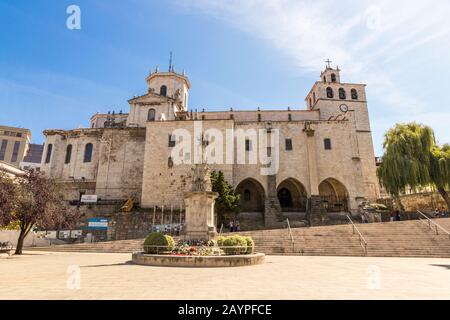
column 252, row 195
column 334, row 195
column 292, row 196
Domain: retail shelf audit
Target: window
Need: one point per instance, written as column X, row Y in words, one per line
column 330, row 93
column 163, row 91
column 310, row 103
column 247, row 195
column 290, row 117
column 68, row 154
column 19, row 135
column 15, row 153
column 327, row 144
column 288, row 144
column 3, row 149
column 88, row 152
column 342, row 94
column 333, row 77
column 314, row 97
column 324, row 79
column 151, row 115
column 259, row 117
column 171, row 141
column 49, row 153
column 354, row 94
column 248, row 145
column 269, row 151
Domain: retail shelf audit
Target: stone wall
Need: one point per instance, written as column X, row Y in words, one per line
column 425, row 202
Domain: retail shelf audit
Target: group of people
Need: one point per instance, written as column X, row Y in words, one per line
column 234, row 226
column 440, row 213
column 395, row 216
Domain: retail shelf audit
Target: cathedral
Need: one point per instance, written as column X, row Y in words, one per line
column 325, row 156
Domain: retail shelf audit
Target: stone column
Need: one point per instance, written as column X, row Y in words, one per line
column 272, row 207
column 314, row 210
column 312, row 160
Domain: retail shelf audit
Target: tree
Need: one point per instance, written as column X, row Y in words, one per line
column 34, row 201
column 227, row 201
column 412, row 159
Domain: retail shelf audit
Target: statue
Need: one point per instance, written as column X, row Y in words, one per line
column 177, row 97
column 201, row 179
column 199, row 201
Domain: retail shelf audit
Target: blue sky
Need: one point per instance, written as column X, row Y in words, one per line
column 241, row 54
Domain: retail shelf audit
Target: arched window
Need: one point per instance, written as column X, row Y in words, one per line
column 330, row 93
column 310, row 103
column 324, row 79
column 49, row 153
column 163, row 91
column 88, row 152
column 314, row 97
column 247, row 195
column 342, row 93
column 68, row 153
column 354, row 94
column 333, row 77
column 151, row 115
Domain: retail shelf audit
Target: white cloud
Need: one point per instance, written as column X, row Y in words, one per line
column 369, row 41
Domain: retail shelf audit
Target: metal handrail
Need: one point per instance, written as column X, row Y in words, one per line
column 290, row 233
column 436, row 225
column 362, row 241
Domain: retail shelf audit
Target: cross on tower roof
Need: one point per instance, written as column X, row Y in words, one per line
column 328, row 63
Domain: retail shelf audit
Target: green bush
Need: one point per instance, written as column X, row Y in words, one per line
column 250, row 245
column 220, row 240
column 235, row 241
column 158, row 239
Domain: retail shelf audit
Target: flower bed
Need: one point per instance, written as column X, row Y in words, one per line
column 156, row 243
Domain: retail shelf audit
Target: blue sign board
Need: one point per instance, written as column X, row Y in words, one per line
column 98, row 223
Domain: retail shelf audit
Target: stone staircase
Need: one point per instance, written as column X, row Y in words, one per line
column 390, row 239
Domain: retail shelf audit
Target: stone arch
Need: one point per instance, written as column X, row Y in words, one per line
column 252, row 195
column 334, row 195
column 292, row 195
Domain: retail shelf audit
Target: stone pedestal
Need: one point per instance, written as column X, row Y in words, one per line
column 200, row 223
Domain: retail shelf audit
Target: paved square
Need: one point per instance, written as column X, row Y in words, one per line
column 44, row 275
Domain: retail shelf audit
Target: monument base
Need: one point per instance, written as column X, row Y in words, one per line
column 200, row 220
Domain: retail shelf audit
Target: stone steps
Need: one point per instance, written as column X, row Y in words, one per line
column 391, row 239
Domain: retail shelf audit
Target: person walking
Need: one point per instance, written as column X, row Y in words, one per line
column 391, row 217
column 397, row 216
column 436, row 213
column 231, row 226
column 237, row 226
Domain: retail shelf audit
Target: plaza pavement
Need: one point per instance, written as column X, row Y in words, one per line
column 44, row 275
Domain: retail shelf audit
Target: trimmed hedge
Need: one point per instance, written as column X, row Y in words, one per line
column 250, row 245
column 220, row 240
column 158, row 239
column 235, row 241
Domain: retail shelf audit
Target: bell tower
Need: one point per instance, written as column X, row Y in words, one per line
column 170, row 84
column 330, row 75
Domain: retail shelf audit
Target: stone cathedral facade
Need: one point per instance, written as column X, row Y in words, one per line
column 326, row 155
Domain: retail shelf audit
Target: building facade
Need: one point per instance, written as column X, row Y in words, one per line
column 326, row 162
column 14, row 144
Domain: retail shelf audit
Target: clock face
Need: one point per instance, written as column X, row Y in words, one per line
column 343, row 108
